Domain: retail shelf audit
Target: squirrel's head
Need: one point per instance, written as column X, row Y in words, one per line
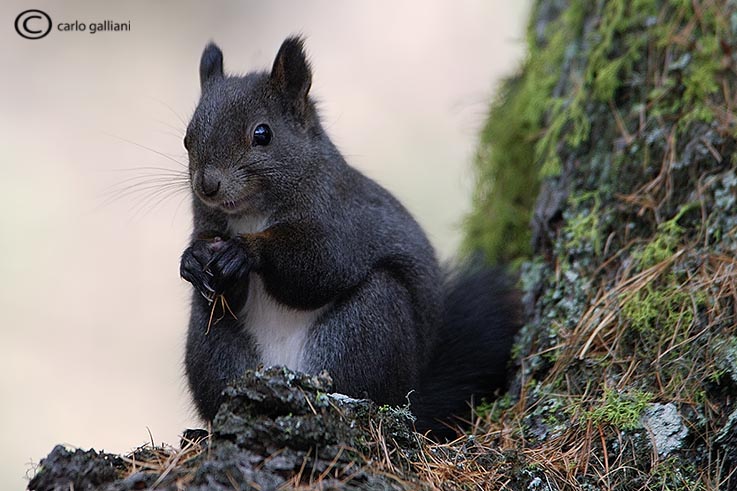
column 251, row 138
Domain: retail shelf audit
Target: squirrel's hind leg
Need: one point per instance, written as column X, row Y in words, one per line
column 367, row 342
column 216, row 355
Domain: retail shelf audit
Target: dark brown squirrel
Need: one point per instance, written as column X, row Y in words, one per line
column 314, row 266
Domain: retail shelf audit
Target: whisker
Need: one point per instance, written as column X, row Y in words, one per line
column 152, row 201
column 177, row 136
column 166, row 196
column 146, row 180
column 148, row 186
column 169, row 157
column 145, row 208
column 149, row 178
column 176, row 114
column 179, row 205
column 179, row 130
column 147, row 168
column 262, row 171
column 132, row 181
column 142, row 188
column 138, row 189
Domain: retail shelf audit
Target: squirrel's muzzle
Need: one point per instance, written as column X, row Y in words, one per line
column 208, row 183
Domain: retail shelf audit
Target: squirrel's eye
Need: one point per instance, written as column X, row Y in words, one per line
column 186, row 142
column 261, row 135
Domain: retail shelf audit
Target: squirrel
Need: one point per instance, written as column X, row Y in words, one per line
column 298, row 259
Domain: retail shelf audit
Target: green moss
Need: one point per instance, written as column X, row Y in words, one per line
column 658, row 309
column 583, row 228
column 554, row 412
column 567, row 117
column 540, row 116
column 663, row 245
column 700, row 77
column 696, row 71
column 672, row 475
column 493, row 410
column 507, row 185
column 562, row 114
column 621, row 409
column 515, row 150
column 609, row 67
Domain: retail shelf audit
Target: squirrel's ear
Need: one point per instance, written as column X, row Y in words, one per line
column 211, row 64
column 291, row 72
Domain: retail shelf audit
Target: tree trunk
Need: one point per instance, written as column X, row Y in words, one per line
column 623, row 116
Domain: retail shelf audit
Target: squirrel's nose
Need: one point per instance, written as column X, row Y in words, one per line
column 210, row 185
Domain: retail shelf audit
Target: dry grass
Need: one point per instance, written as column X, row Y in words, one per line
column 163, row 460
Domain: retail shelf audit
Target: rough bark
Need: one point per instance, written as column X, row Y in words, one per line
column 276, row 429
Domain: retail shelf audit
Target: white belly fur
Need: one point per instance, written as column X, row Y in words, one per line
column 279, row 331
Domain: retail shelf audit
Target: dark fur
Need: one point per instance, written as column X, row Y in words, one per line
column 335, row 238
column 469, row 360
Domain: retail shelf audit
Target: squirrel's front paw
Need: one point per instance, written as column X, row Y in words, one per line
column 230, row 266
column 193, row 265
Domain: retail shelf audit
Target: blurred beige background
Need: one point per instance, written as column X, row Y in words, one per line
column 92, row 309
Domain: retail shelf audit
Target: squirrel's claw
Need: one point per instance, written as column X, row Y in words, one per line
column 210, row 297
column 191, row 269
column 217, row 267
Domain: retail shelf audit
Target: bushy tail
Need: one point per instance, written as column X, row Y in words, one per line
column 471, row 354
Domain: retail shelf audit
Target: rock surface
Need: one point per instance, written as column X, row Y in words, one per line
column 666, row 427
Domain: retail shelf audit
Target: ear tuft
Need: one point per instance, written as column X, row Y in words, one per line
column 291, row 73
column 211, row 64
